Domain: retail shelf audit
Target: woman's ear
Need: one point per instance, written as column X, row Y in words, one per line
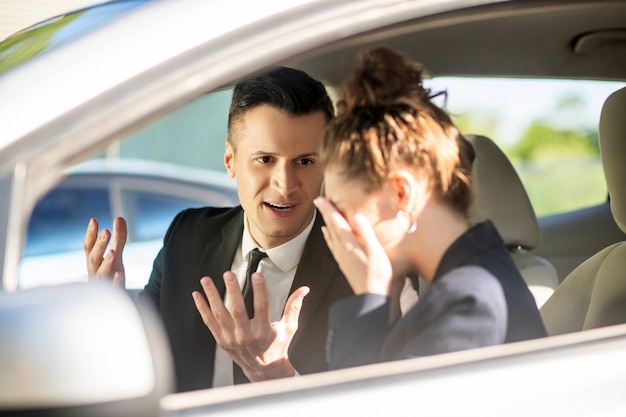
column 405, row 188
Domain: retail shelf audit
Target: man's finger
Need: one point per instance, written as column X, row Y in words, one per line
column 119, row 279
column 90, row 236
column 107, row 266
column 218, row 309
column 261, row 300
column 95, row 257
column 291, row 313
column 235, row 299
column 205, row 312
column 120, row 234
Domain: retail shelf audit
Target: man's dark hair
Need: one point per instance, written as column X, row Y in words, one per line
column 286, row 89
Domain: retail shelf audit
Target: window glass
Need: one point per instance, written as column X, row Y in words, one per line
column 193, row 136
column 548, row 128
column 153, row 213
column 60, row 219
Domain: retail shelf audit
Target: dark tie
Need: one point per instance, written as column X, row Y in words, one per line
column 255, row 258
column 253, row 263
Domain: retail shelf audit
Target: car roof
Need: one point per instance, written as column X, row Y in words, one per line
column 546, row 39
column 117, row 59
column 30, row 42
column 579, row 39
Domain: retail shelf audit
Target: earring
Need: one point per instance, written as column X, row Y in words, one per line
column 411, row 218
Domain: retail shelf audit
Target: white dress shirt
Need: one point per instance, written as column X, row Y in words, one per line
column 279, row 269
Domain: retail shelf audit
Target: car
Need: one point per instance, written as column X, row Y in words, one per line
column 116, row 74
column 147, row 194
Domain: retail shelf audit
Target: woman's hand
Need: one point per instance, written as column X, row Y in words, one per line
column 359, row 254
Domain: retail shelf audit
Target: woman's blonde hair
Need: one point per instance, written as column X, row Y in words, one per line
column 386, row 120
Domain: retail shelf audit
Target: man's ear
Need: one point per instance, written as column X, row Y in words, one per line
column 229, row 159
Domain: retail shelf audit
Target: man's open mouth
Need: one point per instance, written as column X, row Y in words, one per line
column 280, row 207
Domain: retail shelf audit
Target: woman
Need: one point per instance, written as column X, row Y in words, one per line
column 397, row 186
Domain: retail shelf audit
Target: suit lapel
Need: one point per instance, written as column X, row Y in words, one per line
column 219, row 251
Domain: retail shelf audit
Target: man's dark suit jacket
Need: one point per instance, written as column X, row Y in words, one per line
column 202, row 242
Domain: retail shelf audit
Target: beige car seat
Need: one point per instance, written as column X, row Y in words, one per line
column 594, row 294
column 500, row 196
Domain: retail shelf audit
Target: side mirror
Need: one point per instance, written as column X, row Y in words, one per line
column 81, row 349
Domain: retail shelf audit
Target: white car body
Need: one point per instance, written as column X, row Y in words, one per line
column 164, row 54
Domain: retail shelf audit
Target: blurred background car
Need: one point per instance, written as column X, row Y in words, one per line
column 147, row 194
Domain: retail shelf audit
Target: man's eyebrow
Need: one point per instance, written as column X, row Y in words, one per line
column 301, row 156
column 277, row 154
column 308, row 155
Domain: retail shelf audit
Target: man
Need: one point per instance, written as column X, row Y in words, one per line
column 276, row 124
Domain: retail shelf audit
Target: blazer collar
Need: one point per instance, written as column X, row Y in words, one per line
column 220, row 249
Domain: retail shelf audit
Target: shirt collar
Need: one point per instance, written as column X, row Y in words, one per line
column 285, row 256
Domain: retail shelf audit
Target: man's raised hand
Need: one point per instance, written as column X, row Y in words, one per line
column 111, row 266
column 257, row 345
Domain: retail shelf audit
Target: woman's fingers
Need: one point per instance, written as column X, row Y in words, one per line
column 363, row 229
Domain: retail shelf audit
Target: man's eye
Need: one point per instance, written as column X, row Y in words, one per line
column 264, row 159
column 306, row 161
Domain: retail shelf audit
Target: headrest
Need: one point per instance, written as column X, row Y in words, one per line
column 81, row 349
column 499, row 195
column 612, row 137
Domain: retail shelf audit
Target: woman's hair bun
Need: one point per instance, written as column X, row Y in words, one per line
column 382, row 78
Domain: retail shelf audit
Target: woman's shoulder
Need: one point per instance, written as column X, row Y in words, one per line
column 470, row 279
column 470, row 285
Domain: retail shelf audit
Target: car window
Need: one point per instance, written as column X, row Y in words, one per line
column 548, row 128
column 60, row 219
column 187, row 144
column 150, row 214
column 192, row 136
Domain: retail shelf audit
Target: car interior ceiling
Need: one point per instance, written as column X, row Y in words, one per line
column 512, row 41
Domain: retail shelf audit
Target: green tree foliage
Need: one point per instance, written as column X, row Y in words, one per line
column 541, row 141
column 556, row 155
column 559, row 135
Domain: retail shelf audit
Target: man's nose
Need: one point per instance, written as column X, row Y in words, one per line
column 284, row 179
